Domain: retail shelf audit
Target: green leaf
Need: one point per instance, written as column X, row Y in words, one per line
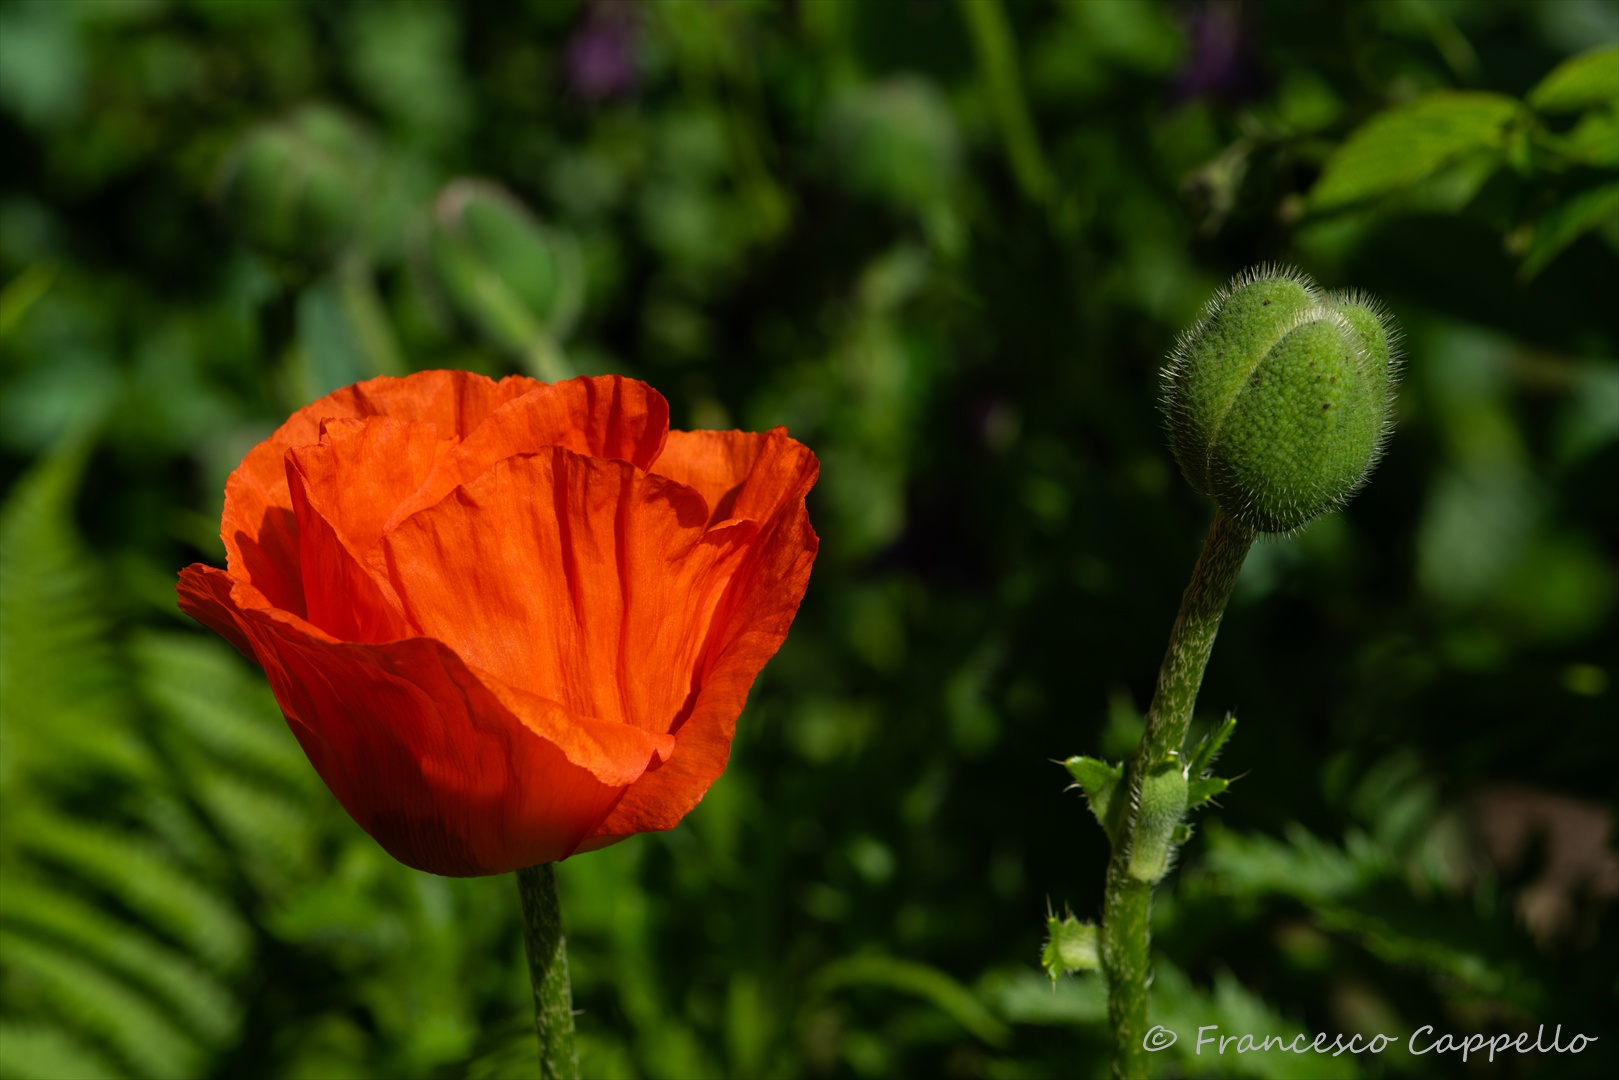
column 145, row 880
column 332, row 344
column 1580, row 82
column 215, row 702
column 1071, row 946
column 1590, row 420
column 1405, row 933
column 1357, row 889
column 1209, row 746
column 1100, row 782
column 34, row 1050
column 1566, row 224
column 63, row 698
column 928, row 983
column 517, row 280
column 1199, row 792
column 1594, row 140
column 1303, row 866
column 1025, row 997
column 1405, row 144
column 269, row 830
column 21, row 294
column 193, row 995
column 67, row 986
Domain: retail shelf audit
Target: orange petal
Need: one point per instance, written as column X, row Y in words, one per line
column 596, row 585
column 742, row 474
column 604, row 417
column 449, row 771
column 765, row 598
column 259, row 528
column 205, row 595
column 713, row 462
column 343, row 489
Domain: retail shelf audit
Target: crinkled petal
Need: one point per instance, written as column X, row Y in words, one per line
column 748, row 627
column 751, row 626
column 606, row 416
column 596, row 583
column 259, row 528
column 742, row 474
column 343, row 490
column 450, row 771
column 714, row 463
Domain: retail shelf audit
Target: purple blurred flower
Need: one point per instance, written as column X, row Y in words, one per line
column 1220, row 59
column 601, row 58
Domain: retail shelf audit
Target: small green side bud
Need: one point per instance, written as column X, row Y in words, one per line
column 1071, row 946
column 295, row 189
column 516, row 280
column 1279, row 399
column 1163, row 804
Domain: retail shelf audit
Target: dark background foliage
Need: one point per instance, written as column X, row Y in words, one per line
column 948, row 244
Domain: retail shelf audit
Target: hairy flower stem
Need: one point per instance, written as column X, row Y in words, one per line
column 1127, row 906
column 548, row 971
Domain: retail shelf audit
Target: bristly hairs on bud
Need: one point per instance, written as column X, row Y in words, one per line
column 1394, row 335
column 1282, row 466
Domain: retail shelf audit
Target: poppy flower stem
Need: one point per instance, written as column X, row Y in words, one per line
column 1127, row 906
column 548, row 971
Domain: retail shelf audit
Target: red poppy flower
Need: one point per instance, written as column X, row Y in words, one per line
column 509, row 621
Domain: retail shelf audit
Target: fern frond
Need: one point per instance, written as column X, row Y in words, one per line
column 196, row 998
column 140, row 876
column 67, row 986
column 63, row 694
column 31, row 1050
column 218, row 703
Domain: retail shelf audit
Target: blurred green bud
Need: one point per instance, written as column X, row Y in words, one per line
column 520, row 283
column 296, row 189
column 895, row 140
column 1163, row 804
column 1071, row 946
column 1279, row 399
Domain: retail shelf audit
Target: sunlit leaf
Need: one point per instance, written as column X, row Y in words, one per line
column 1580, row 82
column 1397, row 148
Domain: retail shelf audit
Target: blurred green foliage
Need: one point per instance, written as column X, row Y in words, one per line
column 949, row 245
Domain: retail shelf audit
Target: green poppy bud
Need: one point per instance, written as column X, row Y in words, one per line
column 1071, row 946
column 294, row 189
column 1279, row 400
column 516, row 280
